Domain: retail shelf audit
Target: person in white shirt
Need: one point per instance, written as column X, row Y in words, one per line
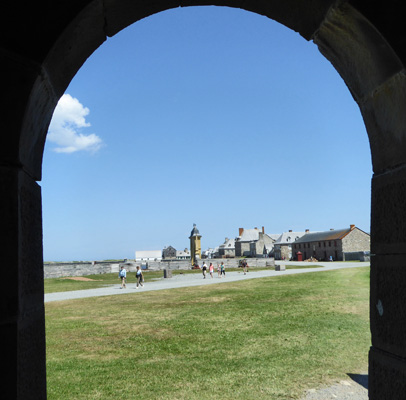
column 204, row 268
column 123, row 276
column 140, row 276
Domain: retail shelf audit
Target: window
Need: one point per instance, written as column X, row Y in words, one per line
column 329, row 244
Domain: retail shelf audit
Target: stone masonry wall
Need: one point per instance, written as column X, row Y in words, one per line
column 59, row 270
column 356, row 240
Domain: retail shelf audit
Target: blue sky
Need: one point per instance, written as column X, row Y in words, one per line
column 206, row 115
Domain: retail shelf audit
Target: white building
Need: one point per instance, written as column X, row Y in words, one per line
column 148, row 255
column 183, row 254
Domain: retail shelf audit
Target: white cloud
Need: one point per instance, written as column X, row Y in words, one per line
column 64, row 129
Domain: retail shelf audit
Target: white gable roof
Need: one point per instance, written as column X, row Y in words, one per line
column 228, row 244
column 289, row 237
column 249, row 235
column 274, row 236
column 181, row 253
column 148, row 255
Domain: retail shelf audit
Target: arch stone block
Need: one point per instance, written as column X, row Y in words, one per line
column 22, row 323
column 385, row 119
column 357, row 50
column 388, row 213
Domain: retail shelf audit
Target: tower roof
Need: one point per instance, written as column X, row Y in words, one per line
column 195, row 231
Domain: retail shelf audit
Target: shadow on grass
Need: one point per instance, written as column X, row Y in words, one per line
column 360, row 379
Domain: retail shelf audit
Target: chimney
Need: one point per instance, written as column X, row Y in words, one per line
column 352, row 227
column 240, row 231
column 290, row 230
column 263, row 230
column 226, row 239
column 256, row 228
column 331, row 229
column 307, row 231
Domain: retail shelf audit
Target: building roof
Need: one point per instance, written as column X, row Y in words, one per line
column 228, row 244
column 274, row 236
column 148, row 254
column 249, row 235
column 332, row 234
column 289, row 237
column 195, row 231
column 182, row 253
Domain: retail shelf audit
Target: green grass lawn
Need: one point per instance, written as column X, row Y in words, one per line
column 268, row 338
column 96, row 281
column 303, row 266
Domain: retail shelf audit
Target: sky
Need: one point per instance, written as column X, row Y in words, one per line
column 206, row 115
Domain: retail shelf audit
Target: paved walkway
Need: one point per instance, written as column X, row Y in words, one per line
column 187, row 280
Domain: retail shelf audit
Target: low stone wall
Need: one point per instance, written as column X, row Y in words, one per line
column 59, row 270
column 63, row 269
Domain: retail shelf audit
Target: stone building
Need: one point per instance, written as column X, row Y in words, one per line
column 227, row 249
column 253, row 243
column 332, row 243
column 169, row 253
column 283, row 245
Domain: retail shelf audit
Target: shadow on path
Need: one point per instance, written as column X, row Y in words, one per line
column 360, row 379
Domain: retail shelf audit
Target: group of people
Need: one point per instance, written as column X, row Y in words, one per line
column 221, row 270
column 122, row 274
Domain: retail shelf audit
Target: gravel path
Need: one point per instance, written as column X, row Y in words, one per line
column 351, row 389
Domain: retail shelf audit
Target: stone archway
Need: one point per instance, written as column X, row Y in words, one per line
column 43, row 45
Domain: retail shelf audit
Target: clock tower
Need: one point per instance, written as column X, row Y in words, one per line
column 195, row 245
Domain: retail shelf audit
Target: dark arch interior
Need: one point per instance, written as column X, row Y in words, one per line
column 42, row 47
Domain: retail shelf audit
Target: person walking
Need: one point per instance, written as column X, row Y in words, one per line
column 211, row 269
column 245, row 266
column 140, row 277
column 222, row 270
column 204, row 269
column 123, row 276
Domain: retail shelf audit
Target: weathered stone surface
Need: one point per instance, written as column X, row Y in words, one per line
column 357, row 50
column 388, row 303
column 385, row 119
column 167, row 273
column 22, row 322
column 388, row 213
column 387, row 376
column 20, row 77
column 81, row 37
